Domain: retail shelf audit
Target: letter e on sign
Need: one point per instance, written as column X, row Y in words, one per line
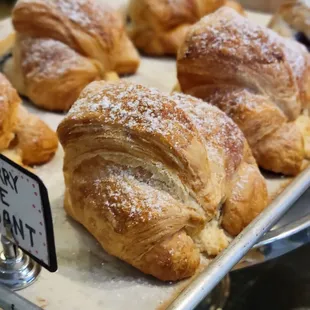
column 24, row 205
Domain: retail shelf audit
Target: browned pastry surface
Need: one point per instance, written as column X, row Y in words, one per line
column 23, row 137
column 35, row 141
column 258, row 78
column 158, row 27
column 63, row 45
column 156, row 178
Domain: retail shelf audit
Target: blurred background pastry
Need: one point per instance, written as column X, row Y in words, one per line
column 158, row 27
column 63, row 45
column 292, row 21
column 23, row 136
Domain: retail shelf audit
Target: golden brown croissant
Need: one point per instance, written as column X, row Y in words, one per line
column 49, row 72
column 35, row 141
column 258, row 78
column 156, row 178
column 292, row 20
column 32, row 142
column 63, row 45
column 158, row 27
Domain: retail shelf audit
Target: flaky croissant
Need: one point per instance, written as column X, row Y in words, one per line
column 23, row 136
column 292, row 21
column 158, row 27
column 62, row 45
column 258, row 78
column 156, row 178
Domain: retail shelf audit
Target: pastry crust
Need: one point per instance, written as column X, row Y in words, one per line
column 29, row 140
column 158, row 27
column 156, row 169
column 258, row 78
column 63, row 45
column 34, row 140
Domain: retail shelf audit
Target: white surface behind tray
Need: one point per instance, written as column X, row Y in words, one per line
column 89, row 278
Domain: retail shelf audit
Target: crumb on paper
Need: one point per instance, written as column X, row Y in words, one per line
column 41, row 302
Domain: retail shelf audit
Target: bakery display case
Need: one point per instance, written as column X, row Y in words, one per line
column 132, row 176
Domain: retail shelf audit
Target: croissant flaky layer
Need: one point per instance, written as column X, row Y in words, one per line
column 63, row 45
column 258, row 78
column 166, row 22
column 157, row 179
column 23, row 136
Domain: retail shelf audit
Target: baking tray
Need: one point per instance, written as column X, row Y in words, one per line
column 288, row 234
column 295, row 220
column 89, row 278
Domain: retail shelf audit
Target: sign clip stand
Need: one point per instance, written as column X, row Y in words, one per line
column 17, row 270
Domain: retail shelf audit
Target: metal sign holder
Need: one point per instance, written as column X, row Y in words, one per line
column 17, row 270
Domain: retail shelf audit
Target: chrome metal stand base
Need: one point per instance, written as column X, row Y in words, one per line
column 18, row 272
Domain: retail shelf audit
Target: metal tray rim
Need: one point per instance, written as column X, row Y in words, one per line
column 284, row 232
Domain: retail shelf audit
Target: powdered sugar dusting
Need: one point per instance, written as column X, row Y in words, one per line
column 122, row 190
column 46, row 57
column 232, row 101
column 134, row 107
column 176, row 117
column 229, row 34
column 95, row 17
column 219, row 131
column 73, row 9
column 295, row 55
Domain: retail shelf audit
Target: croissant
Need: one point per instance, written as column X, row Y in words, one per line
column 61, row 46
column 157, row 179
column 23, row 136
column 291, row 20
column 258, row 78
column 158, row 27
